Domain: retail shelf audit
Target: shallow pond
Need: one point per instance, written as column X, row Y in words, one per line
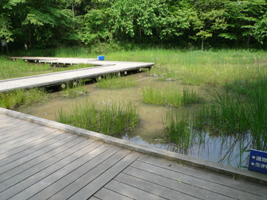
column 150, row 130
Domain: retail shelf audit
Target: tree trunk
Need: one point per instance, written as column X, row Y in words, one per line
column 249, row 36
column 7, row 50
column 202, row 44
column 72, row 8
column 2, row 48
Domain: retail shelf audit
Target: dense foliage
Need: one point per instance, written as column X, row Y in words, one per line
column 187, row 23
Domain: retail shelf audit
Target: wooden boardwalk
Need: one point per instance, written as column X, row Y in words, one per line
column 37, row 162
column 104, row 68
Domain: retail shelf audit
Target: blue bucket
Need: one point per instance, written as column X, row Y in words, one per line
column 101, row 57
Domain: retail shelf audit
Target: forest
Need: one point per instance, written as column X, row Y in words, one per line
column 197, row 24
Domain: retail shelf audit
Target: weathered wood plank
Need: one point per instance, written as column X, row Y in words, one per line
column 190, row 180
column 82, row 181
column 158, row 190
column 77, row 173
column 27, row 142
column 184, row 191
column 104, row 178
column 51, row 174
column 28, row 146
column 131, row 192
column 18, row 159
column 211, row 177
column 23, row 134
column 43, row 160
column 106, row 194
column 58, row 160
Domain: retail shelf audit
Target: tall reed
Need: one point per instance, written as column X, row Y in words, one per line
column 106, row 117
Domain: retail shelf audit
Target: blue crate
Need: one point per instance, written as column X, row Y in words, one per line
column 101, row 57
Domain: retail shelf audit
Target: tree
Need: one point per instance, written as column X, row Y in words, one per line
column 136, row 18
column 210, row 17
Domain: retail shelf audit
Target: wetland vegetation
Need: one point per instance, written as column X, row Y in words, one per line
column 230, row 109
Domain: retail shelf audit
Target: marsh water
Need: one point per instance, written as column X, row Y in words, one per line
column 150, row 130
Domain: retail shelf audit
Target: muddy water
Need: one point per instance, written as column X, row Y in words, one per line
column 150, row 131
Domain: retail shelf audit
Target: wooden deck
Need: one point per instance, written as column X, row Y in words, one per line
column 37, row 162
column 104, row 68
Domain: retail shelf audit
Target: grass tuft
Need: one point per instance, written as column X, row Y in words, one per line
column 110, row 118
column 169, row 97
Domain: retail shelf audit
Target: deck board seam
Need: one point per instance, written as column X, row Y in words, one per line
column 117, row 174
column 73, row 180
column 140, row 189
column 201, row 188
column 49, row 165
column 49, row 174
column 47, row 147
column 44, row 160
column 114, row 191
column 106, row 171
column 29, row 143
column 156, row 184
column 160, row 166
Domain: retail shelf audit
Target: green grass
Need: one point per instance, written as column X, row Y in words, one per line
column 106, row 117
column 20, row 68
column 169, row 96
column 22, row 98
column 200, row 67
column 115, row 82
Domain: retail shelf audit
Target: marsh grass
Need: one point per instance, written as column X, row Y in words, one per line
column 74, row 89
column 200, row 67
column 169, row 96
column 22, row 97
column 116, row 82
column 106, row 117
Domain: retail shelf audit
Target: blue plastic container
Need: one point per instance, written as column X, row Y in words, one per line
column 101, row 57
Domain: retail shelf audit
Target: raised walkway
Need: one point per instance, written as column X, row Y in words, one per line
column 41, row 162
column 103, row 68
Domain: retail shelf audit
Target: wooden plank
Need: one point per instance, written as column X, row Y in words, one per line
column 77, row 173
column 82, row 181
column 104, row 178
column 184, row 191
column 18, row 159
column 131, row 192
column 106, row 194
column 22, row 135
column 158, row 190
column 38, row 180
column 190, row 180
column 41, row 159
column 215, row 178
column 28, row 146
column 58, row 159
column 27, row 142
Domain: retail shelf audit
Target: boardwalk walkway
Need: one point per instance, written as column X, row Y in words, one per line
column 104, row 68
column 38, row 162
